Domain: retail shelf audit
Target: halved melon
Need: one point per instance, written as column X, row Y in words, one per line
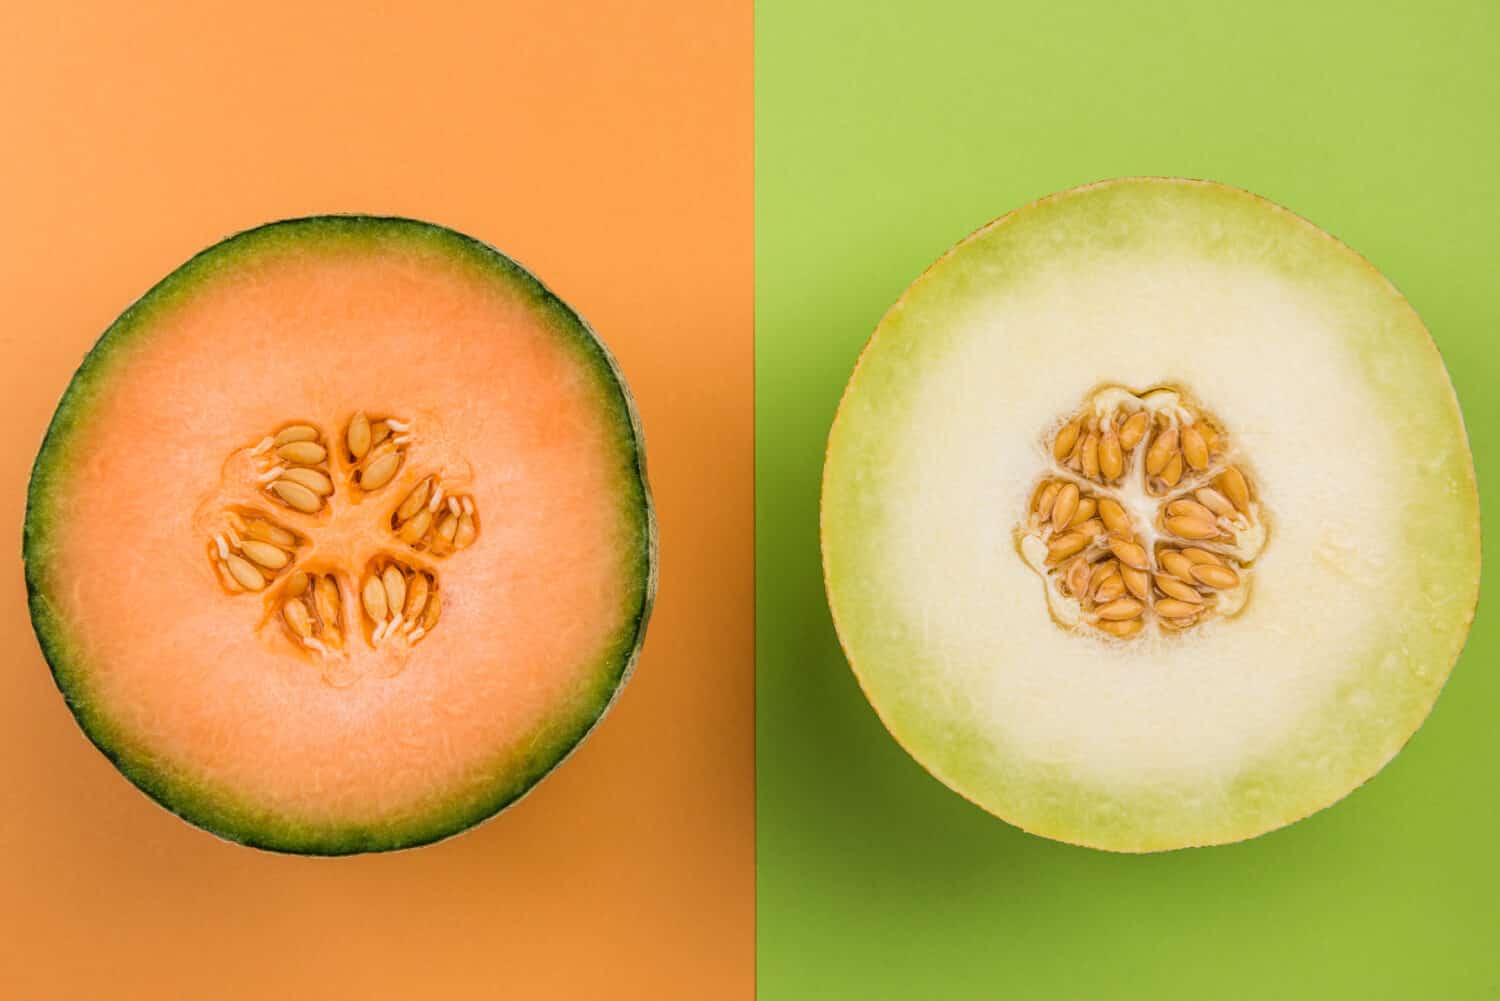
column 340, row 539
column 1149, row 518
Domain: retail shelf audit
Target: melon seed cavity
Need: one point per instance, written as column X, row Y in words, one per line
column 1145, row 516
column 376, row 449
column 293, row 467
column 309, row 479
column 399, row 600
column 433, row 521
column 250, row 550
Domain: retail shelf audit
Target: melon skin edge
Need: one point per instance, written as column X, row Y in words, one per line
column 216, row 811
column 1070, row 824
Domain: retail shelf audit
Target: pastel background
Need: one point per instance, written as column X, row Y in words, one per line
column 884, row 133
column 606, row 145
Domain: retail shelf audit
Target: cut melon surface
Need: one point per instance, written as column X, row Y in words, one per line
column 1349, row 564
column 300, row 420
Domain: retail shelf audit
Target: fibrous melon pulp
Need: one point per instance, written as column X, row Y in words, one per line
column 1149, row 518
column 340, row 538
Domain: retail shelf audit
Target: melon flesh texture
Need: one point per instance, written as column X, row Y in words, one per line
column 186, row 689
column 1360, row 602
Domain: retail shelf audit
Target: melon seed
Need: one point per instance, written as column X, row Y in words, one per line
column 415, row 501
column 1162, row 449
column 416, row 596
column 380, row 472
column 1133, row 430
column 267, row 532
column 297, row 496
column 467, row 530
column 1114, row 516
column 376, row 451
column 1214, row 576
column 326, row 598
column 1192, row 528
column 434, row 609
column 1174, row 588
column 1194, row 448
column 357, row 438
column 1076, row 578
column 265, row 554
column 1067, row 437
column 1176, row 564
column 1059, row 549
column 1064, row 506
column 1090, row 456
column 1046, row 497
column 1137, row 582
column 295, row 613
column 297, row 432
column 1196, row 555
column 296, row 585
column 1214, row 501
column 394, row 582
column 1109, row 588
column 307, row 453
column 413, row 531
column 1172, row 475
column 1189, row 509
column 372, row 596
column 309, row 478
column 1128, row 552
column 1231, row 482
column 1111, row 456
column 1120, row 608
column 244, row 573
column 1086, row 509
column 1171, row 608
column 1102, row 571
column 1074, row 457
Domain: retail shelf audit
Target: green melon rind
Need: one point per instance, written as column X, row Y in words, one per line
column 219, row 811
column 1309, row 771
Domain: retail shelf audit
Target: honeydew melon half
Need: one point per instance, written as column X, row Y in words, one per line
column 1149, row 519
column 340, row 539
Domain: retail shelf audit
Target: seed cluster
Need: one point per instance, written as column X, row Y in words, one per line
column 434, row 521
column 312, row 607
column 297, row 470
column 251, row 551
column 398, row 598
column 376, row 449
column 1143, row 517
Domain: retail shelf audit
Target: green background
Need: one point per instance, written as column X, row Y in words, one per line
column 884, row 133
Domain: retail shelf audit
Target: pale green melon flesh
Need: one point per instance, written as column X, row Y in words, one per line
column 1330, row 386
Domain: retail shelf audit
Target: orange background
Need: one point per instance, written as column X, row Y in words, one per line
column 607, row 146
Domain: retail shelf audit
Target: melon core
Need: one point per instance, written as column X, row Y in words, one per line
column 340, row 538
column 1149, row 518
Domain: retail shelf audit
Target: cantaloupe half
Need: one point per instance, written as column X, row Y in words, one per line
column 340, row 539
column 1149, row 518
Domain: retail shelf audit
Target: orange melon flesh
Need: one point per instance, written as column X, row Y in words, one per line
column 196, row 693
